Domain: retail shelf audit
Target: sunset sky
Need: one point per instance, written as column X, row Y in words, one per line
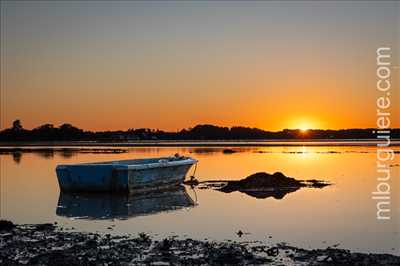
column 172, row 65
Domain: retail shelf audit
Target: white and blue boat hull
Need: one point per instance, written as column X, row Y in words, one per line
column 133, row 176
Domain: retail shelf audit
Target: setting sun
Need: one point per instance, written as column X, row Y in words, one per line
column 304, row 124
column 303, row 129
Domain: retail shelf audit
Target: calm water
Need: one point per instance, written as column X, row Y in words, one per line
column 343, row 213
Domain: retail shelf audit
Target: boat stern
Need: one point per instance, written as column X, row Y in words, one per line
column 91, row 178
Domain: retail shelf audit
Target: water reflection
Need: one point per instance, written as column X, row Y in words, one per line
column 263, row 194
column 341, row 213
column 67, row 152
column 48, row 153
column 121, row 206
column 17, row 156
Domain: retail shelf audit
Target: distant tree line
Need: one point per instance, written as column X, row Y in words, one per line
column 68, row 132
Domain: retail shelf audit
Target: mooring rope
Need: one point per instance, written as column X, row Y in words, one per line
column 194, row 172
column 194, row 178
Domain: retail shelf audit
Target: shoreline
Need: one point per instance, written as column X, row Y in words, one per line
column 48, row 244
column 205, row 143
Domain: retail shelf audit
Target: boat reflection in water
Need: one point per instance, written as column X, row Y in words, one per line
column 121, row 206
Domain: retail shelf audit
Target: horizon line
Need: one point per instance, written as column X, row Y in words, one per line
column 202, row 124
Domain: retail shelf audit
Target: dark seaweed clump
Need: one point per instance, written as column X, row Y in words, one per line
column 263, row 185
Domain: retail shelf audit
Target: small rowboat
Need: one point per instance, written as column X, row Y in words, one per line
column 132, row 176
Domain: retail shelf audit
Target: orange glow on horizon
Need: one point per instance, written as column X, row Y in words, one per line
column 139, row 72
column 304, row 124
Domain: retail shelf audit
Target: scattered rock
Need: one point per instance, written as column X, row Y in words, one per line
column 54, row 258
column 6, row 225
column 57, row 247
column 45, row 227
column 274, row 251
column 144, row 237
column 228, row 151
